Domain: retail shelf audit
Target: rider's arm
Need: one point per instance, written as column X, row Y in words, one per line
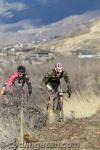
column 12, row 78
column 27, row 80
column 46, row 80
column 66, row 78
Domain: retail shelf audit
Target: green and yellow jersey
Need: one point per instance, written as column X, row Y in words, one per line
column 52, row 78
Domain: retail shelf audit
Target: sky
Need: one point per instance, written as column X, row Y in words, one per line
column 18, row 15
column 42, row 12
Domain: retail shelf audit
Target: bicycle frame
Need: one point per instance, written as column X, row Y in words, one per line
column 58, row 105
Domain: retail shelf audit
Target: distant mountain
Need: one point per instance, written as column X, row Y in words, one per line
column 65, row 27
column 41, row 20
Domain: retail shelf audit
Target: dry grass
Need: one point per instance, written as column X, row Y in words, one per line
column 81, row 105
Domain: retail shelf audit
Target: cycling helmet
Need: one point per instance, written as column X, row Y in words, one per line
column 21, row 69
column 58, row 68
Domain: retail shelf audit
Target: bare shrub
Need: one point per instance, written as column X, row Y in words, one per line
column 83, row 73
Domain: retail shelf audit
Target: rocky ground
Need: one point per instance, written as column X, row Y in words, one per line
column 28, row 124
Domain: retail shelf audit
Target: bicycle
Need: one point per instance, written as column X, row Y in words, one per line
column 58, row 105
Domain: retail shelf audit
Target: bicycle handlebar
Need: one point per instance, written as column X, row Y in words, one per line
column 52, row 92
column 66, row 91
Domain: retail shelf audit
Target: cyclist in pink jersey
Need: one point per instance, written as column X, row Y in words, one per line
column 21, row 76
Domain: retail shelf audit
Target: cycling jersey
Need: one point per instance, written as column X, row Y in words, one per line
column 54, row 80
column 21, row 80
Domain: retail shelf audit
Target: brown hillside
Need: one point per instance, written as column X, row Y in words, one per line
column 87, row 39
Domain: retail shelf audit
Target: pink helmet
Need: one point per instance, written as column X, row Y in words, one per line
column 58, row 67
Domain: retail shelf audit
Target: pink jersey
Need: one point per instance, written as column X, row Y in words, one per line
column 11, row 78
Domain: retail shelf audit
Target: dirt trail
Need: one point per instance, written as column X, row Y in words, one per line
column 81, row 126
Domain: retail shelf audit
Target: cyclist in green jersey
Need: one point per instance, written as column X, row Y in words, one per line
column 51, row 82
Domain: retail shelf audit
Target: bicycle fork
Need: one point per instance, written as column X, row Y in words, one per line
column 60, row 110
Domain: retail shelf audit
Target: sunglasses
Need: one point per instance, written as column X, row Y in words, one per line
column 58, row 73
column 21, row 74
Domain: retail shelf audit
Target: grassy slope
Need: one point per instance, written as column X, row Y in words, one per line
column 79, row 39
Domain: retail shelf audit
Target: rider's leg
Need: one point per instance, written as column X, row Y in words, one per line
column 51, row 99
column 61, row 95
column 50, row 91
column 61, row 99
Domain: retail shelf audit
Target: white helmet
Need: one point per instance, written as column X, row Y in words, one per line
column 58, row 68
